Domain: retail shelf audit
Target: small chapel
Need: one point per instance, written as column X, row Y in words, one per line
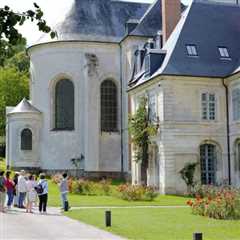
column 107, row 55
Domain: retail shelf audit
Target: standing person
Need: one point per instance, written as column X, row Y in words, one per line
column 9, row 184
column 31, row 193
column 15, row 192
column 2, row 191
column 63, row 185
column 42, row 193
column 22, row 189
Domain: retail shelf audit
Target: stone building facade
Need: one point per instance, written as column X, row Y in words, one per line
column 108, row 54
column 192, row 88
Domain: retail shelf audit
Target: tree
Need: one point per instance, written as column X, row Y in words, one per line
column 9, row 20
column 20, row 61
column 141, row 129
column 187, row 174
column 13, row 87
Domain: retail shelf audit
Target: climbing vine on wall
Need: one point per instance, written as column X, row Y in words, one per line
column 141, row 129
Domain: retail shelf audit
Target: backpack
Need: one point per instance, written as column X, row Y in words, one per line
column 39, row 189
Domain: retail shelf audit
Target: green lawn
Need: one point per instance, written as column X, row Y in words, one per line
column 80, row 200
column 160, row 224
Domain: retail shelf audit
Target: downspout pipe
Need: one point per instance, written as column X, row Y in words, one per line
column 228, row 133
column 121, row 114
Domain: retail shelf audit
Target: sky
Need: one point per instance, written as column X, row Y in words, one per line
column 54, row 11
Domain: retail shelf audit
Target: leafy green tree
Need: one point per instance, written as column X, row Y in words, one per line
column 10, row 20
column 20, row 61
column 141, row 129
column 13, row 87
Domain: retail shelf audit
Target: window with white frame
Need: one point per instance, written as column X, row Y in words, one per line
column 236, row 104
column 208, row 106
column 224, row 52
column 152, row 107
column 208, row 160
column 191, row 50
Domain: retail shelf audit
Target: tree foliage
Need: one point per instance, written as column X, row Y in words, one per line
column 14, row 84
column 141, row 129
column 13, row 87
column 10, row 20
column 187, row 174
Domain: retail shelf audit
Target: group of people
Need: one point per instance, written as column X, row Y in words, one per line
column 24, row 190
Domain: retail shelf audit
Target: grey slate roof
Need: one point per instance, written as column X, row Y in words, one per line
column 208, row 25
column 151, row 22
column 24, row 107
column 98, row 20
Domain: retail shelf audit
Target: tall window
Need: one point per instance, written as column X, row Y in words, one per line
column 208, row 158
column 64, row 105
column 26, row 139
column 152, row 107
column 237, row 160
column 108, row 106
column 208, row 106
column 147, row 65
column 236, row 104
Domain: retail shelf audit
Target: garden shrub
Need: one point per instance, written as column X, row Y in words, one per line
column 216, row 202
column 86, row 187
column 105, row 188
column 136, row 192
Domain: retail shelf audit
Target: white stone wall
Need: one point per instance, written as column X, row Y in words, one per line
column 15, row 124
column 234, row 83
column 182, row 129
column 72, row 60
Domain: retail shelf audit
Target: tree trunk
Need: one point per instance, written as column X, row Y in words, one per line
column 144, row 165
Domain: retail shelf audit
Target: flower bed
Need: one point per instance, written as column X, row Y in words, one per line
column 216, row 202
column 105, row 188
column 136, row 192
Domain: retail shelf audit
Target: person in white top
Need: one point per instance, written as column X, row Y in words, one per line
column 31, row 193
column 22, row 189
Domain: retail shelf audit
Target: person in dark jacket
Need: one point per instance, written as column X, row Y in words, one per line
column 43, row 196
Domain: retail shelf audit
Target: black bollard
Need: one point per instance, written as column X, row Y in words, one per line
column 197, row 236
column 108, row 218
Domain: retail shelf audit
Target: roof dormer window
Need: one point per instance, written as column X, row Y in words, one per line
column 192, row 50
column 224, row 53
column 147, row 66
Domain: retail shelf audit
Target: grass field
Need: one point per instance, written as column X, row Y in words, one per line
column 80, row 200
column 160, row 224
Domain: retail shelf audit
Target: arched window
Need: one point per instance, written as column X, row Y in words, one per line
column 108, row 106
column 208, row 158
column 64, row 105
column 26, row 139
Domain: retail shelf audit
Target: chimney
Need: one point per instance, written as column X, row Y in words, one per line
column 171, row 13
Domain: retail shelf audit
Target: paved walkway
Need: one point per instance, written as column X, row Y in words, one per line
column 18, row 225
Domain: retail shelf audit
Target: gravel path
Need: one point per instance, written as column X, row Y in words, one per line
column 18, row 225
